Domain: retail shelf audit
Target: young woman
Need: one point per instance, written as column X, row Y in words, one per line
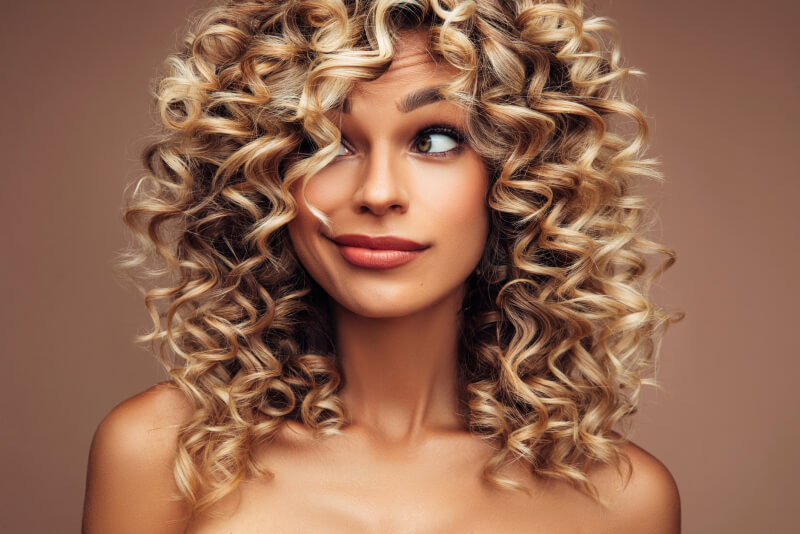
column 405, row 282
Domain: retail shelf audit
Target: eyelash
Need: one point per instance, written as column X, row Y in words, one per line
column 443, row 129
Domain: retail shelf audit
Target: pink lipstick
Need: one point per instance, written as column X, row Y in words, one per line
column 384, row 252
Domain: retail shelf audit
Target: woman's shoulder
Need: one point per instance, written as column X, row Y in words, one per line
column 645, row 499
column 155, row 409
column 642, row 499
column 144, row 426
column 130, row 484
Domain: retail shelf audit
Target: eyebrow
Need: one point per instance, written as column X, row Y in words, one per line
column 411, row 101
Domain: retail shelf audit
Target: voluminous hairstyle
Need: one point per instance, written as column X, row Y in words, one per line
column 558, row 331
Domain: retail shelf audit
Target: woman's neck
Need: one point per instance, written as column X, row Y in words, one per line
column 401, row 373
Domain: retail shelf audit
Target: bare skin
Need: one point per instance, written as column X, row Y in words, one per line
column 406, row 463
column 351, row 484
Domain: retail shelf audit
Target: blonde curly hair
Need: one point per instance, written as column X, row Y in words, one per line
column 558, row 331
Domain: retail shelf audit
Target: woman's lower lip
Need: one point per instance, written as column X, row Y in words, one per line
column 377, row 259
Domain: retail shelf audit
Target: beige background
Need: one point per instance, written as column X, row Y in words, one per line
column 722, row 87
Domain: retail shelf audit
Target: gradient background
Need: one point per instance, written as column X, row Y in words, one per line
column 721, row 89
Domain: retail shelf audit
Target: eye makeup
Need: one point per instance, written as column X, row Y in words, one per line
column 434, row 129
column 441, row 129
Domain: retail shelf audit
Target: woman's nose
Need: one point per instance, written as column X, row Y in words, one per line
column 382, row 188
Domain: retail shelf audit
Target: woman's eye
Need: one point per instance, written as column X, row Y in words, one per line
column 343, row 150
column 436, row 142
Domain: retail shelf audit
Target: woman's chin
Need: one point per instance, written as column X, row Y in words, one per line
column 382, row 309
column 393, row 306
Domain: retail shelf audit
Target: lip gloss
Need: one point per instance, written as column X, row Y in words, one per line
column 376, row 258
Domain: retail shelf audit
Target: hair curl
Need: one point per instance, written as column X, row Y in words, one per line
column 557, row 328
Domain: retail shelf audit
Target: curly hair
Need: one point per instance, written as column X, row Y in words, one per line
column 558, row 331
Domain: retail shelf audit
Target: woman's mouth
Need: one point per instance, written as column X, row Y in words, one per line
column 382, row 252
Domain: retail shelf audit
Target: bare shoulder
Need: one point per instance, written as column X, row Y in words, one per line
column 130, row 485
column 143, row 428
column 645, row 501
column 155, row 411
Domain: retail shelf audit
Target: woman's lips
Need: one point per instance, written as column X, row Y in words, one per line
column 384, row 252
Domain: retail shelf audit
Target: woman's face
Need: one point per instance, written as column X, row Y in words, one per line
column 403, row 173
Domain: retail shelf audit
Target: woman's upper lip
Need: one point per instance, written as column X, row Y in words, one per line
column 385, row 242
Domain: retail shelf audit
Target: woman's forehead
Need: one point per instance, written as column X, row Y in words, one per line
column 405, row 57
column 408, row 86
column 413, row 65
column 411, row 48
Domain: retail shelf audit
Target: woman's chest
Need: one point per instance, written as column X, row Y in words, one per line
column 328, row 490
column 379, row 507
column 387, row 505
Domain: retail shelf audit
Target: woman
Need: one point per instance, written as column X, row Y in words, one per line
column 406, row 285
